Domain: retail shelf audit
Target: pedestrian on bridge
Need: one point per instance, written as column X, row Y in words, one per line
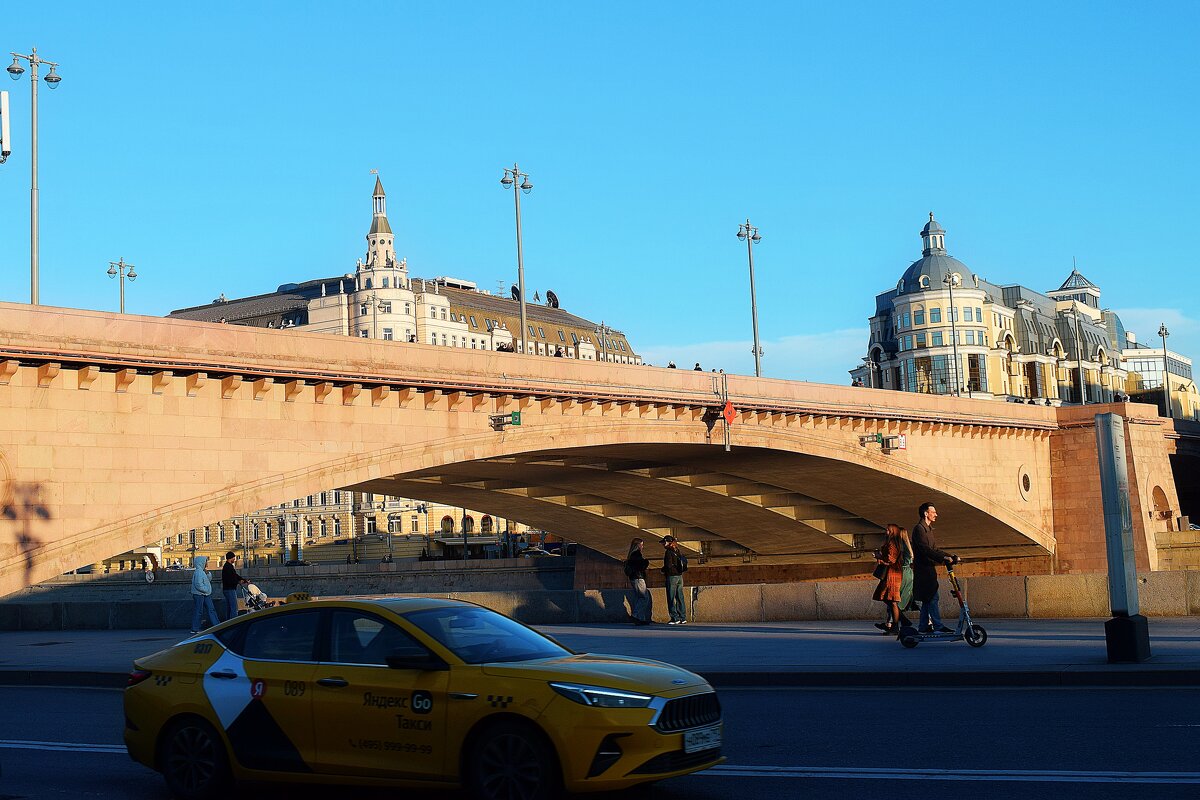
column 926, row 558
column 641, row 606
column 202, row 595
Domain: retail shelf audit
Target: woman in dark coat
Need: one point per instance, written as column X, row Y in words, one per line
column 895, row 587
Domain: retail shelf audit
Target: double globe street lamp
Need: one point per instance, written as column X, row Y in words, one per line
column 121, row 271
column 52, row 80
column 519, row 180
column 750, row 235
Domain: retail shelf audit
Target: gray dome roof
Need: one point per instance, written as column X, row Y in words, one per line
column 937, row 267
column 932, row 226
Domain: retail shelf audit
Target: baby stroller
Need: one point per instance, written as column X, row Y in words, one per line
column 253, row 598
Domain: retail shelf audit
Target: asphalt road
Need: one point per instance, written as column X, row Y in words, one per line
column 780, row 743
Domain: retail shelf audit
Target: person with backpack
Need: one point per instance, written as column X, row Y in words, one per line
column 674, row 565
column 640, row 603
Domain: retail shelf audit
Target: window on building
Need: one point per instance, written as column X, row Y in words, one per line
column 532, row 332
column 920, row 340
column 387, row 334
column 970, row 335
column 918, row 317
column 322, row 528
column 385, row 307
column 443, row 340
column 935, row 316
column 575, row 338
column 443, row 314
column 362, row 309
column 433, row 313
column 385, row 283
column 454, row 341
column 237, row 531
column 407, row 308
column 954, row 315
column 977, row 373
column 416, row 528
column 369, row 523
column 936, row 338
column 474, row 324
column 308, row 528
column 337, row 526
column 369, row 283
column 562, row 337
column 967, row 314
column 622, row 343
column 363, row 333
column 905, row 321
column 978, row 314
column 541, row 332
column 433, row 338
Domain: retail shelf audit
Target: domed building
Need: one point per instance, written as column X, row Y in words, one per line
column 945, row 330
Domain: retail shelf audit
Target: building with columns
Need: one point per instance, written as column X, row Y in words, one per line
column 944, row 329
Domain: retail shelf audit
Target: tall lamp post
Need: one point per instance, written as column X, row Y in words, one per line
column 872, row 366
column 602, row 340
column 951, row 280
column 1079, row 355
column 1164, row 333
column 121, row 271
column 749, row 234
column 52, row 80
column 519, row 180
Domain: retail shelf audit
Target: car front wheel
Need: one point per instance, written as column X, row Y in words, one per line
column 511, row 760
column 193, row 760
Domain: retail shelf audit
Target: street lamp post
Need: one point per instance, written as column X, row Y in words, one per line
column 52, row 80
column 872, row 366
column 1079, row 354
column 519, row 180
column 749, row 234
column 951, row 280
column 121, row 271
column 1164, row 333
column 602, row 341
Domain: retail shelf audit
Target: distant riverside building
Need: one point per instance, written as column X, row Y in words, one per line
column 380, row 300
column 1012, row 343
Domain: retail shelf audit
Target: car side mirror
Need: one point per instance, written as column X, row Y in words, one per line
column 425, row 662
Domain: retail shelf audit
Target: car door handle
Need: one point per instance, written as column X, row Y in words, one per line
column 224, row 675
column 461, row 695
column 333, row 683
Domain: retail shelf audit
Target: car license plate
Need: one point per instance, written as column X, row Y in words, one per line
column 702, row 739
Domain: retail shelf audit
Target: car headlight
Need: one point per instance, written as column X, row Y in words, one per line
column 599, row 696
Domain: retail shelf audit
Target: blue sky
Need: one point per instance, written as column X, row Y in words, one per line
column 227, row 148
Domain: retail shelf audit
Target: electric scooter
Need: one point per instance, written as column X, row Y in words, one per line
column 966, row 630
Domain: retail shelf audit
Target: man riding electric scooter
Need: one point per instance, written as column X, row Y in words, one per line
column 926, row 558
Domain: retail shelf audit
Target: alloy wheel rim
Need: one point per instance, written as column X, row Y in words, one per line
column 192, row 758
column 511, row 769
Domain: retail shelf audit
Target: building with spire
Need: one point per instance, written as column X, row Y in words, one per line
column 380, row 300
column 945, row 330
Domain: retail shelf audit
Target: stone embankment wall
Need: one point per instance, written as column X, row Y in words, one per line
column 1039, row 596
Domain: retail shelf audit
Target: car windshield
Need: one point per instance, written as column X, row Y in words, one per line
column 478, row 636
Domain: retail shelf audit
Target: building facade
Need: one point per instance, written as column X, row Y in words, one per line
column 945, row 330
column 381, row 300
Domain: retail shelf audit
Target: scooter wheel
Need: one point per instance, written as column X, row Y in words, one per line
column 976, row 636
column 910, row 641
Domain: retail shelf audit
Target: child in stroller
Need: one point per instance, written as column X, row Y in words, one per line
column 254, row 599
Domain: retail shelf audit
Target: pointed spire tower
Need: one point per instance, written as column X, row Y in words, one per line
column 381, row 252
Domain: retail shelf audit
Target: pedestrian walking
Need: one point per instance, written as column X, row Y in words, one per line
column 640, row 603
column 674, row 565
column 230, row 581
column 926, row 558
column 895, row 555
column 202, row 595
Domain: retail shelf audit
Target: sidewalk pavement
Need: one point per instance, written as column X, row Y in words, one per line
column 1019, row 652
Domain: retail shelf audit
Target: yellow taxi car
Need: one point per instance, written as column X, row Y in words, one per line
column 408, row 691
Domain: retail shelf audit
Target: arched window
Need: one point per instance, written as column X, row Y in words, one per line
column 486, row 525
column 923, row 281
column 368, row 283
column 447, row 524
column 385, row 283
column 468, row 524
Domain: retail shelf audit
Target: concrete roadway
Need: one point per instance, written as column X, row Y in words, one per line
column 1066, row 744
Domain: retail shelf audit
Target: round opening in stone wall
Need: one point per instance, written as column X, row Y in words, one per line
column 1024, row 482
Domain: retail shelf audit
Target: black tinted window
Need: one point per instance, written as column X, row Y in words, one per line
column 282, row 637
column 361, row 638
column 479, row 635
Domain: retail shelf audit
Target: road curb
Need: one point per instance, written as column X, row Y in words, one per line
column 794, row 679
column 936, row 679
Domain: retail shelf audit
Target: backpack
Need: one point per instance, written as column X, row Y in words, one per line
column 682, row 563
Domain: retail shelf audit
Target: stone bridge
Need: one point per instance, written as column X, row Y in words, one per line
column 117, row 431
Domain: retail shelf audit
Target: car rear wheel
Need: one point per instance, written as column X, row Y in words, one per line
column 511, row 760
column 193, row 760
